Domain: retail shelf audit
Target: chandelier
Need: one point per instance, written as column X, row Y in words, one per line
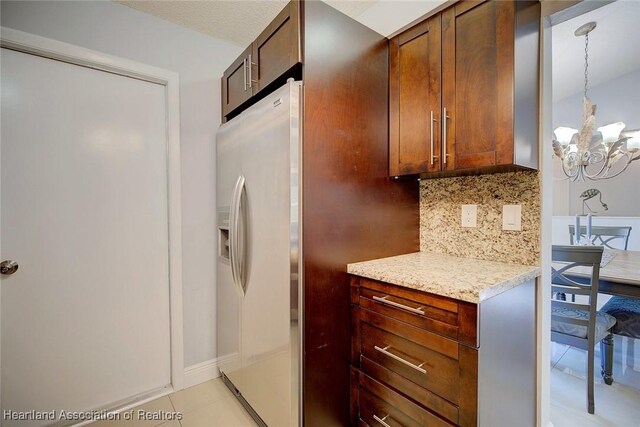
column 600, row 155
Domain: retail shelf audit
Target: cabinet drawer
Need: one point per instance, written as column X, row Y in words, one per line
column 430, row 340
column 424, row 397
column 378, row 403
column 423, row 366
column 444, row 316
column 413, row 312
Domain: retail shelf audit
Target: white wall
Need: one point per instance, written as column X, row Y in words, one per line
column 617, row 100
column 200, row 60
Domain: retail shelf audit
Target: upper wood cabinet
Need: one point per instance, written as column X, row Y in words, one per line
column 481, row 83
column 414, row 94
column 270, row 59
column 277, row 49
column 235, row 85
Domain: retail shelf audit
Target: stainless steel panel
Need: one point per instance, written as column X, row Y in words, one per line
column 507, row 358
column 526, row 84
column 259, row 345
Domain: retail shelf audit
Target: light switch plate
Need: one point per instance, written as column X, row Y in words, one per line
column 512, row 217
column 470, row 216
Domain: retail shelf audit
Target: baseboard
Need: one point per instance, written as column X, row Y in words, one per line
column 204, row 371
column 201, row 372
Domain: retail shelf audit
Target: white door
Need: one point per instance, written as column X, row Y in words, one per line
column 85, row 319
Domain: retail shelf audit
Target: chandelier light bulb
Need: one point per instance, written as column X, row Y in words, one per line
column 564, row 134
column 611, row 132
column 633, row 143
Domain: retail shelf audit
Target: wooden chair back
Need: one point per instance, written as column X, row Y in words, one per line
column 572, row 257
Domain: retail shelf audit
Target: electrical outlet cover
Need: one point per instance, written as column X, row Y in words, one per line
column 470, row 216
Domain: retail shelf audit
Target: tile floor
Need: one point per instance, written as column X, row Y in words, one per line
column 615, row 405
column 209, row 404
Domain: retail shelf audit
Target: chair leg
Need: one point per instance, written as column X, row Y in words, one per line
column 590, row 370
column 606, row 351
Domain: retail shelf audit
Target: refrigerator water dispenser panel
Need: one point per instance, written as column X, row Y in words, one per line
column 223, row 235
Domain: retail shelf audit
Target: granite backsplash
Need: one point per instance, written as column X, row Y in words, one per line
column 440, row 211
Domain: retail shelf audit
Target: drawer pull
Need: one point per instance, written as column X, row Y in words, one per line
column 400, row 359
column 384, row 300
column 381, row 420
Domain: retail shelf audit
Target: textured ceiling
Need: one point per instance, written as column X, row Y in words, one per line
column 238, row 22
column 613, row 45
column 613, row 48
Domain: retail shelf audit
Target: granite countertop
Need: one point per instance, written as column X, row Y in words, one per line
column 465, row 279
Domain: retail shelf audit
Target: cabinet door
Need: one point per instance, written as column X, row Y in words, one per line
column 414, row 96
column 235, row 83
column 478, row 83
column 277, row 48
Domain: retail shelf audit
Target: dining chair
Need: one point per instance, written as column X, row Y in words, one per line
column 626, row 310
column 581, row 325
column 604, row 235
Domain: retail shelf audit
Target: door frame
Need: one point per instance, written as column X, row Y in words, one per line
column 552, row 12
column 76, row 55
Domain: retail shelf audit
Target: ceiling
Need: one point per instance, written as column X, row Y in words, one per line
column 240, row 21
column 613, row 48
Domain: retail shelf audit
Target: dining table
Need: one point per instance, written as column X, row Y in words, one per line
column 620, row 276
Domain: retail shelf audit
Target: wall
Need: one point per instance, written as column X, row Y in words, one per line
column 617, row 100
column 200, row 60
column 440, row 210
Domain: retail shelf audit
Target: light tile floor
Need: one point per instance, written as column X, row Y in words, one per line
column 615, row 405
column 209, row 404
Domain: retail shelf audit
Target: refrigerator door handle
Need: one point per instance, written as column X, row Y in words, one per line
column 236, row 249
column 232, row 246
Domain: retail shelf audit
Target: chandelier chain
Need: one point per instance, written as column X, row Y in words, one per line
column 585, row 158
column 586, row 63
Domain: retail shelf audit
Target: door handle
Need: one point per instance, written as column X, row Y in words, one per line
column 244, row 72
column 444, row 136
column 431, row 120
column 251, row 64
column 8, row 267
column 235, row 250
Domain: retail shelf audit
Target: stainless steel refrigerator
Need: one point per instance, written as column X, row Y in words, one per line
column 258, row 192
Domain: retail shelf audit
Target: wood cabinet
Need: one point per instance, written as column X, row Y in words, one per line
column 412, row 342
column 414, row 93
column 464, row 91
column 235, row 85
column 277, row 48
column 417, row 358
column 272, row 58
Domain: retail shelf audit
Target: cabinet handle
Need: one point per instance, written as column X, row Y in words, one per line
column 251, row 64
column 384, row 300
column 444, row 136
column 244, row 69
column 400, row 359
column 381, row 420
column 431, row 120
